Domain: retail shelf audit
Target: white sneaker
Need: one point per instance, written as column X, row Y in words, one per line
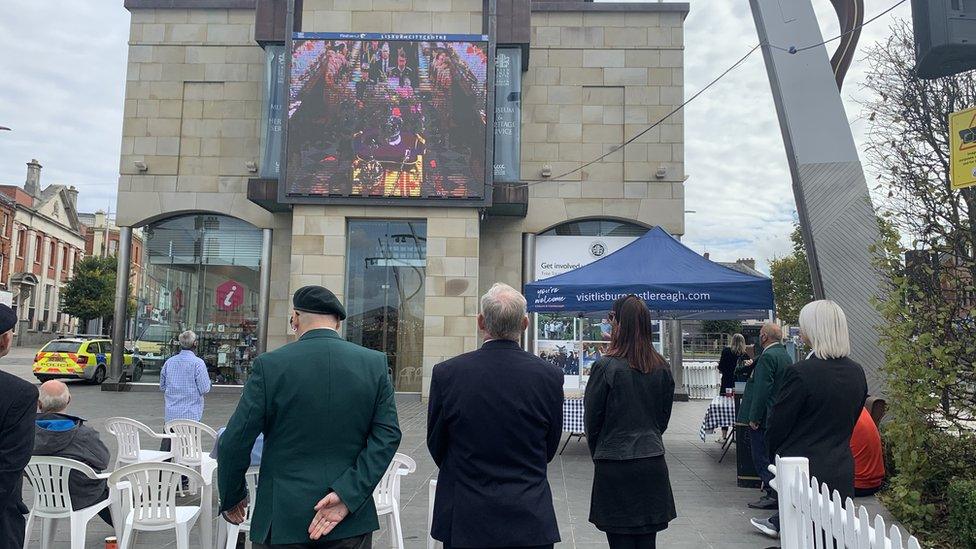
column 766, row 527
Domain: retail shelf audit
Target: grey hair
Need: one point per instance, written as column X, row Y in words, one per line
column 503, row 309
column 824, row 324
column 54, row 403
column 187, row 340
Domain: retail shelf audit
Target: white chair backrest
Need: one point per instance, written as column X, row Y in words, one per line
column 126, row 432
column 388, row 490
column 152, row 490
column 252, row 489
column 48, row 475
column 189, row 439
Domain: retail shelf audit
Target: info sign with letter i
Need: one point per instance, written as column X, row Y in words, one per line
column 962, row 148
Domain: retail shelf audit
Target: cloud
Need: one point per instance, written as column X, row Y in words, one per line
column 62, row 94
column 64, row 76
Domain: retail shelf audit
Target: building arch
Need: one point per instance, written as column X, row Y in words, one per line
column 596, row 226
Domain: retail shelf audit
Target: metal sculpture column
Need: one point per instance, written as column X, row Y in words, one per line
column 836, row 216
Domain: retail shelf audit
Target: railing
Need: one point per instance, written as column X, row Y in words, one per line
column 702, row 380
column 810, row 517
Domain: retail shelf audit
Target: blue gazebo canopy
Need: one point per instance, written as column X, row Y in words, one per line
column 676, row 283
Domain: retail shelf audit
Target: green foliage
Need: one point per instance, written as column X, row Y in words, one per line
column 927, row 302
column 729, row 327
column 792, row 288
column 90, row 293
column 962, row 511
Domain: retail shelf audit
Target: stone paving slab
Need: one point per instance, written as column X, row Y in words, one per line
column 712, row 511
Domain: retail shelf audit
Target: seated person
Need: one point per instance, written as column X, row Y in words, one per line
column 869, row 468
column 61, row 435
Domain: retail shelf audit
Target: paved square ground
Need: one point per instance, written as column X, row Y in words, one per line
column 712, row 511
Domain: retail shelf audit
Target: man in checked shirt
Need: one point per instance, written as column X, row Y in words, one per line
column 183, row 381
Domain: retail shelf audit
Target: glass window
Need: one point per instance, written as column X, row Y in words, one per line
column 385, row 271
column 38, row 245
column 202, row 274
column 597, row 227
column 94, row 347
column 508, row 114
column 62, row 347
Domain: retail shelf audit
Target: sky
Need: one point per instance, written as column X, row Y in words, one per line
column 62, row 79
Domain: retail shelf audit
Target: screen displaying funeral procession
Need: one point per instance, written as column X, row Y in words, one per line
column 387, row 116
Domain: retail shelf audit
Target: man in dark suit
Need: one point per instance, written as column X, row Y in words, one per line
column 329, row 418
column 494, row 423
column 18, row 402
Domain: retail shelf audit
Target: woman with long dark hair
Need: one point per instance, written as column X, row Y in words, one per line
column 627, row 409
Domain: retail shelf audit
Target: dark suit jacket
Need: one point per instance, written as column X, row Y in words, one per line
column 329, row 418
column 814, row 416
column 626, row 411
column 18, row 402
column 494, row 422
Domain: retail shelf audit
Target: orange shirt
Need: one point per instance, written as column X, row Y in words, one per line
column 869, row 469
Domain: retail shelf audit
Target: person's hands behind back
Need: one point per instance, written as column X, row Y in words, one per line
column 329, row 512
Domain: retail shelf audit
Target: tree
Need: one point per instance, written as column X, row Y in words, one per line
column 791, row 280
column 728, row 327
column 928, row 305
column 90, row 293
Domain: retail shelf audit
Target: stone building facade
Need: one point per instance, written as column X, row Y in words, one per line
column 594, row 75
column 47, row 241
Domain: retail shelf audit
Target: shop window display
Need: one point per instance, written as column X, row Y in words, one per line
column 202, row 274
column 387, row 265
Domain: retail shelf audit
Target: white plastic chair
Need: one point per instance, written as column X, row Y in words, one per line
column 150, row 493
column 48, row 475
column 227, row 536
column 126, row 432
column 188, row 447
column 386, row 496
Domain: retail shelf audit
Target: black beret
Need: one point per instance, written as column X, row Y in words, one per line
column 7, row 319
column 318, row 300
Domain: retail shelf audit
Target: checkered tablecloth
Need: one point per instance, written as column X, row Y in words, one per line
column 721, row 413
column 573, row 415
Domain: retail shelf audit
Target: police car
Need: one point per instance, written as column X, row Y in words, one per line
column 82, row 358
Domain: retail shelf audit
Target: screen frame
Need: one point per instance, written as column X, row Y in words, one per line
column 484, row 202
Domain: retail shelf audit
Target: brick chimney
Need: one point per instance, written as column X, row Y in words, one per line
column 33, row 183
column 748, row 262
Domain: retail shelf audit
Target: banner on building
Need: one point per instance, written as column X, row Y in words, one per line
column 508, row 114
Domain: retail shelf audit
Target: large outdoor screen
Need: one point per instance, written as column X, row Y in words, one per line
column 387, row 116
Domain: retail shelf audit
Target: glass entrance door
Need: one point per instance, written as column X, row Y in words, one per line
column 386, row 264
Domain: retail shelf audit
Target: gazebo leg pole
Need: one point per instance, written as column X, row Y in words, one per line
column 677, row 360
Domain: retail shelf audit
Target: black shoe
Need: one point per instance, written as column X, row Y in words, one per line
column 765, row 502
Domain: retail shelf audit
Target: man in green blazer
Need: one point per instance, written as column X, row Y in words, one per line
column 760, row 393
column 328, row 414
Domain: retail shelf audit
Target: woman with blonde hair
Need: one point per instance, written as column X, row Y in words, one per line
column 626, row 410
column 732, row 355
column 819, row 404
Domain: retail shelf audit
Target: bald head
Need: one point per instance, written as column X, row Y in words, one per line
column 771, row 333
column 503, row 313
column 53, row 396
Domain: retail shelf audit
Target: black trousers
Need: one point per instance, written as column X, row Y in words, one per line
column 760, row 457
column 632, row 541
column 364, row 541
column 865, row 492
column 550, row 546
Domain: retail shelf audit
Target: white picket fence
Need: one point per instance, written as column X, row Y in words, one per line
column 702, row 380
column 810, row 517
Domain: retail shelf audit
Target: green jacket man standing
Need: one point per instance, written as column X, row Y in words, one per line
column 760, row 393
column 328, row 414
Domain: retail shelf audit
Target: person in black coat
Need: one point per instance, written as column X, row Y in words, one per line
column 18, row 402
column 494, row 422
column 731, row 357
column 627, row 409
column 819, row 403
